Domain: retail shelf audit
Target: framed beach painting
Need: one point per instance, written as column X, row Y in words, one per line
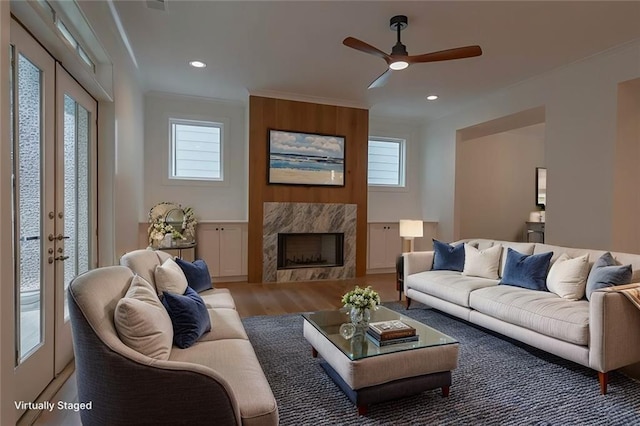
column 297, row 158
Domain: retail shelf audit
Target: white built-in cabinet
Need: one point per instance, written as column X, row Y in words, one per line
column 384, row 245
column 223, row 246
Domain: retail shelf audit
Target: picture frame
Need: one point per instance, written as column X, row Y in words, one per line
column 299, row 158
column 541, row 187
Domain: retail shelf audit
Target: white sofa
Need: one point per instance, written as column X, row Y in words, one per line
column 603, row 333
column 217, row 381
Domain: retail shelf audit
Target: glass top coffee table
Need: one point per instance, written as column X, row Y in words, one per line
column 367, row 373
column 328, row 323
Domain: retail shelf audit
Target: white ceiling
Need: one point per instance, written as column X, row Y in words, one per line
column 295, row 48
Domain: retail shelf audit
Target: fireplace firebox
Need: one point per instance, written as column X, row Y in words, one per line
column 310, row 250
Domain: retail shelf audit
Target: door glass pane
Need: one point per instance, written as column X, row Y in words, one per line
column 76, row 192
column 28, row 202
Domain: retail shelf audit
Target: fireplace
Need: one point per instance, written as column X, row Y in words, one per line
column 310, row 250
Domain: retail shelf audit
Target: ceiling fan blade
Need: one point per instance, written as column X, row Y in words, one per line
column 446, row 55
column 360, row 45
column 381, row 80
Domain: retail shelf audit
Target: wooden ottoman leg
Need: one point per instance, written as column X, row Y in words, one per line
column 445, row 391
column 408, row 301
column 362, row 410
column 314, row 353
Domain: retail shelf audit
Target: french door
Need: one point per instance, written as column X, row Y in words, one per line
column 53, row 137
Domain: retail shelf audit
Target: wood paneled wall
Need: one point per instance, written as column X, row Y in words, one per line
column 352, row 123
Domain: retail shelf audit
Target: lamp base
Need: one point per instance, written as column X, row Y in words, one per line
column 407, row 245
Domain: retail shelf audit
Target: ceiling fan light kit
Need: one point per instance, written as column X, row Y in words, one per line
column 399, row 58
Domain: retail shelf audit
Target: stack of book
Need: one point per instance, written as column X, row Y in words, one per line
column 385, row 333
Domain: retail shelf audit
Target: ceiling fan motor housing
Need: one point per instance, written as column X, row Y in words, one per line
column 399, row 23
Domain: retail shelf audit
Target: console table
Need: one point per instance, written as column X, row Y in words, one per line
column 184, row 251
column 535, row 232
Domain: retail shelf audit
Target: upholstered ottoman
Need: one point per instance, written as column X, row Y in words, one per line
column 369, row 374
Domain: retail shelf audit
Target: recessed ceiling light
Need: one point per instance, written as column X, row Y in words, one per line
column 197, row 64
column 432, row 97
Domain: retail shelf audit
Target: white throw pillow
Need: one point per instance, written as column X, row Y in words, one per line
column 482, row 263
column 142, row 322
column 170, row 278
column 568, row 277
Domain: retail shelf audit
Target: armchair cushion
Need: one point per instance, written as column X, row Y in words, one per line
column 142, row 322
column 197, row 274
column 189, row 316
column 170, row 278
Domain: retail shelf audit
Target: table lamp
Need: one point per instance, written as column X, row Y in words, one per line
column 409, row 229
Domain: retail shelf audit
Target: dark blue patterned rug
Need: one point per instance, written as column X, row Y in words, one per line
column 498, row 382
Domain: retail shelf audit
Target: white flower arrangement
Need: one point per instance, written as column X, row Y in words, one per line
column 361, row 298
column 189, row 224
column 158, row 227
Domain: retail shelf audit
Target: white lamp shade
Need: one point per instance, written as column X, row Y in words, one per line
column 410, row 228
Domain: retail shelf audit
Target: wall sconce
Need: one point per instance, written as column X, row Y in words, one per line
column 409, row 229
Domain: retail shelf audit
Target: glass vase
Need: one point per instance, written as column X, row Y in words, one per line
column 360, row 318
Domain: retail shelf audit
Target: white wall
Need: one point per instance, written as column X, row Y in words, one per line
column 393, row 204
column 580, row 103
column 120, row 141
column 210, row 200
column 495, row 182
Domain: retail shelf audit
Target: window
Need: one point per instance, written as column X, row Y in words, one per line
column 196, row 150
column 386, row 162
column 67, row 35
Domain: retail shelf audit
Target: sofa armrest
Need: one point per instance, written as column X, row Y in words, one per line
column 614, row 327
column 417, row 261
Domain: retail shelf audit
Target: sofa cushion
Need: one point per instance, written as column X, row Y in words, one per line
column 189, row 317
column 606, row 272
column 142, row 322
column 447, row 285
column 524, row 248
column 197, row 274
column 447, row 257
column 543, row 312
column 235, row 361
column 218, row 298
column 225, row 324
column 482, row 263
column 527, row 271
column 170, row 278
column 568, row 277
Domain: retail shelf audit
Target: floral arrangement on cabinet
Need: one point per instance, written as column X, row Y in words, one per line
column 164, row 220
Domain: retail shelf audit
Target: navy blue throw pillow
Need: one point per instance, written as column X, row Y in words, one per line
column 527, row 271
column 197, row 274
column 607, row 273
column 447, row 257
column 189, row 317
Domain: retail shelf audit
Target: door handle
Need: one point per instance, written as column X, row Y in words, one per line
column 58, row 237
column 34, row 238
column 63, row 258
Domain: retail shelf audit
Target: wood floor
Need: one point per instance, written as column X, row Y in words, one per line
column 292, row 297
column 252, row 300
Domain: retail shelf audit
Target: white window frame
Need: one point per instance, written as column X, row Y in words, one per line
column 190, row 122
column 402, row 172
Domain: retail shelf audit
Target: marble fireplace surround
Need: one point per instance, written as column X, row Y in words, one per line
column 308, row 218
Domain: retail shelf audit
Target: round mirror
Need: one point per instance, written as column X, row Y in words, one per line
column 175, row 218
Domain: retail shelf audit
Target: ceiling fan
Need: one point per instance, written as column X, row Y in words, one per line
column 399, row 59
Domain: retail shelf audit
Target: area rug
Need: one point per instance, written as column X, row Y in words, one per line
column 498, row 382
